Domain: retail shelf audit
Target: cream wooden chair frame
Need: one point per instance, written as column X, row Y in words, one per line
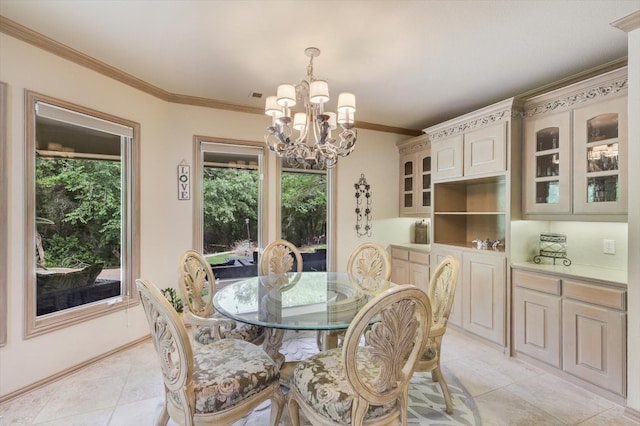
column 276, row 258
column 370, row 260
column 178, row 359
column 442, row 288
column 196, row 276
column 367, row 377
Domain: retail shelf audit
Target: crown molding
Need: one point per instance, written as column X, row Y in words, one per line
column 500, row 111
column 613, row 85
column 47, row 44
column 628, row 23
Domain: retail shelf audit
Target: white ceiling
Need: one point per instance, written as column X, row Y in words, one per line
column 411, row 63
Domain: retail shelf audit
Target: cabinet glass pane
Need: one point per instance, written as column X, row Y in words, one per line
column 426, row 181
column 602, row 158
column 548, row 165
column 408, row 200
column 408, row 184
column 408, row 168
column 426, row 198
column 548, row 192
column 426, row 164
column 547, row 138
column 602, row 189
column 601, row 127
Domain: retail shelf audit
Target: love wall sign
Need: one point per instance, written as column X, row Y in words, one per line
column 184, row 181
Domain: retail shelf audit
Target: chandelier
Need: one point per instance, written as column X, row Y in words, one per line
column 313, row 145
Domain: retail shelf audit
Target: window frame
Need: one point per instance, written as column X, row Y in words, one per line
column 198, row 164
column 35, row 325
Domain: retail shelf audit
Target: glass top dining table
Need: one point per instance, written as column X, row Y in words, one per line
column 298, row 301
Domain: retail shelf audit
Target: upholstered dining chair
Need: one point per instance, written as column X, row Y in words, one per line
column 369, row 383
column 197, row 288
column 212, row 384
column 370, row 260
column 442, row 288
column 277, row 258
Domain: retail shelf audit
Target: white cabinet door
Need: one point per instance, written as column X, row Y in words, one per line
column 547, row 164
column 446, row 158
column 594, row 344
column 484, row 295
column 600, row 158
column 537, row 325
column 408, row 175
column 485, row 150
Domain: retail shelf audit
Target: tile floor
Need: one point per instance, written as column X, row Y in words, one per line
column 126, row 390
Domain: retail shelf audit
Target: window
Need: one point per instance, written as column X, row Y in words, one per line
column 4, row 222
column 81, row 204
column 304, row 214
column 229, row 203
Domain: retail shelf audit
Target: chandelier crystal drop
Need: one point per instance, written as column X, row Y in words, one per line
column 312, row 145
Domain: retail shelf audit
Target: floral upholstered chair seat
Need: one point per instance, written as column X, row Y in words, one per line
column 321, row 380
column 215, row 384
column 367, row 380
column 227, row 372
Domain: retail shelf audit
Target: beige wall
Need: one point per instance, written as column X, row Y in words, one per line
column 167, row 132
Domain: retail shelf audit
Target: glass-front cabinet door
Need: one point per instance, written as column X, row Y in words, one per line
column 415, row 177
column 548, row 164
column 407, row 192
column 424, row 181
column 600, row 150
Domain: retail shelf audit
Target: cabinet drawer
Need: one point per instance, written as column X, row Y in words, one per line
column 419, row 257
column 398, row 253
column 603, row 296
column 543, row 283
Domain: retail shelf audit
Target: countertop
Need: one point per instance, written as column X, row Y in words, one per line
column 616, row 277
column 426, row 248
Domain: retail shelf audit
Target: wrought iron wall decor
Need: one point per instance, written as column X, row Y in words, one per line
column 363, row 207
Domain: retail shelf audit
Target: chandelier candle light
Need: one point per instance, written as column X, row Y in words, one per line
column 314, row 146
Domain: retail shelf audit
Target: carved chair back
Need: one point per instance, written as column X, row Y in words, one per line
column 277, row 258
column 442, row 288
column 172, row 345
column 197, row 285
column 370, row 260
column 395, row 343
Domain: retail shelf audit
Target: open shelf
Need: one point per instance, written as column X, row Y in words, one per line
column 467, row 210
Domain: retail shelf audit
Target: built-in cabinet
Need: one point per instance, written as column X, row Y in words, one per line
column 474, row 159
column 415, row 177
column 473, row 164
column 410, row 266
column 575, row 149
column 575, row 325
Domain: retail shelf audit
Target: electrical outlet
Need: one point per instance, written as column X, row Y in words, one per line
column 609, row 246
